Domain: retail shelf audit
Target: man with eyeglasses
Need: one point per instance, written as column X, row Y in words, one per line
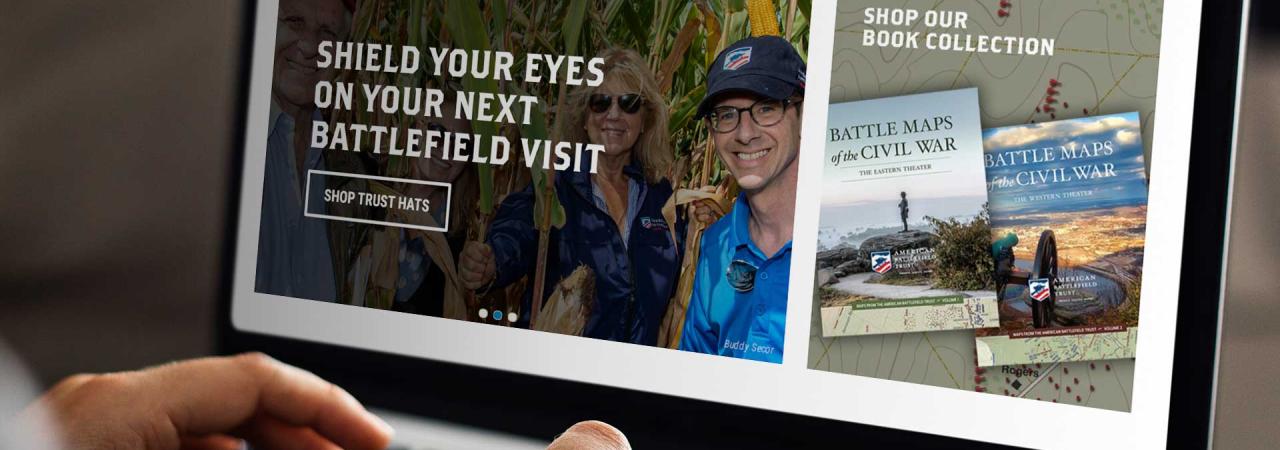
column 752, row 107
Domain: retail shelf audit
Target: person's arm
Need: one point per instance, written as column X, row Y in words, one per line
column 513, row 237
column 209, row 403
column 510, row 247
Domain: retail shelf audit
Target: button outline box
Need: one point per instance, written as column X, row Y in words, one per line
column 306, row 204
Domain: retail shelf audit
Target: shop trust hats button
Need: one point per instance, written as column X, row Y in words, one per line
column 341, row 197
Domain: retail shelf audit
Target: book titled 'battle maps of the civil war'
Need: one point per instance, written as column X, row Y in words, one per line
column 903, row 239
column 1068, row 218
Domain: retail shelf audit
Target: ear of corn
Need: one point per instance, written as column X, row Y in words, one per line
column 764, row 18
column 569, row 306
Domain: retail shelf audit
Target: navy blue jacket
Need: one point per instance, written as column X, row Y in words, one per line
column 634, row 282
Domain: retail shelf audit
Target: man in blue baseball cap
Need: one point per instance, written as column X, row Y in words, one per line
column 752, row 107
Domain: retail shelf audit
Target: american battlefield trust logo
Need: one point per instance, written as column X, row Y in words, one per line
column 737, row 58
column 653, row 223
column 1039, row 288
column 881, row 262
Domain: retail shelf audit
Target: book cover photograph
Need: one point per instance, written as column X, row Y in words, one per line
column 1068, row 206
column 903, row 230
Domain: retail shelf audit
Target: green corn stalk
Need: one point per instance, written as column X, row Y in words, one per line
column 546, row 194
column 467, row 27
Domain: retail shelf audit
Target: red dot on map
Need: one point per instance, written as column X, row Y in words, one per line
column 1054, row 400
column 1066, row 105
column 978, row 379
column 1091, row 388
column 1077, row 399
column 979, row 389
column 1076, row 380
column 1068, row 388
column 1064, row 370
column 1006, row 392
column 1050, row 379
column 1053, row 116
column 979, row 370
column 1037, row 365
column 1002, row 13
column 1086, row 110
column 1055, row 385
column 1037, row 109
column 1108, row 366
column 1091, row 366
column 1054, row 82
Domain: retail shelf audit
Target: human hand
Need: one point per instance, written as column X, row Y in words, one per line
column 476, row 266
column 210, row 403
column 591, row 434
column 707, row 210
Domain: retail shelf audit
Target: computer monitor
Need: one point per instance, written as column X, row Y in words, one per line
column 748, row 223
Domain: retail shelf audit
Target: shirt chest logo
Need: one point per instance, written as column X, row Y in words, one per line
column 654, row 223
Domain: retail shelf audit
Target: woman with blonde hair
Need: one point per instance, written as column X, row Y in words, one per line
column 614, row 224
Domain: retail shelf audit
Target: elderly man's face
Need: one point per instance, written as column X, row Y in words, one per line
column 756, row 155
column 303, row 24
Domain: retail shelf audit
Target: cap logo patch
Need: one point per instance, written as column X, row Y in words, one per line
column 737, row 58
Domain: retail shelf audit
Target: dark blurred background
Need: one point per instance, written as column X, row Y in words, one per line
column 116, row 126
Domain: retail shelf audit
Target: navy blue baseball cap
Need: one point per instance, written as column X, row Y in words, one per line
column 767, row 66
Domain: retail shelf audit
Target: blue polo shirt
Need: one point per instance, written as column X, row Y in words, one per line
column 724, row 320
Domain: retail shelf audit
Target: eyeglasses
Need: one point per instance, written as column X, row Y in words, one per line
column 765, row 112
column 741, row 275
column 628, row 103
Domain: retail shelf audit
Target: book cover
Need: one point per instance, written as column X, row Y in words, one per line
column 903, row 233
column 1068, row 216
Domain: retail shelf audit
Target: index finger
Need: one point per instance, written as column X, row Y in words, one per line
column 212, row 395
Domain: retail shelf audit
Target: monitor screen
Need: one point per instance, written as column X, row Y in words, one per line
column 937, row 216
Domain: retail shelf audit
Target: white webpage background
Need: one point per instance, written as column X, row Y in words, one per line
column 789, row 387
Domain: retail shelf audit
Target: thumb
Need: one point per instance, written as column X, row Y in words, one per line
column 591, row 435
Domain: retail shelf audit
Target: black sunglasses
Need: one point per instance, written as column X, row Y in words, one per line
column 628, row 103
